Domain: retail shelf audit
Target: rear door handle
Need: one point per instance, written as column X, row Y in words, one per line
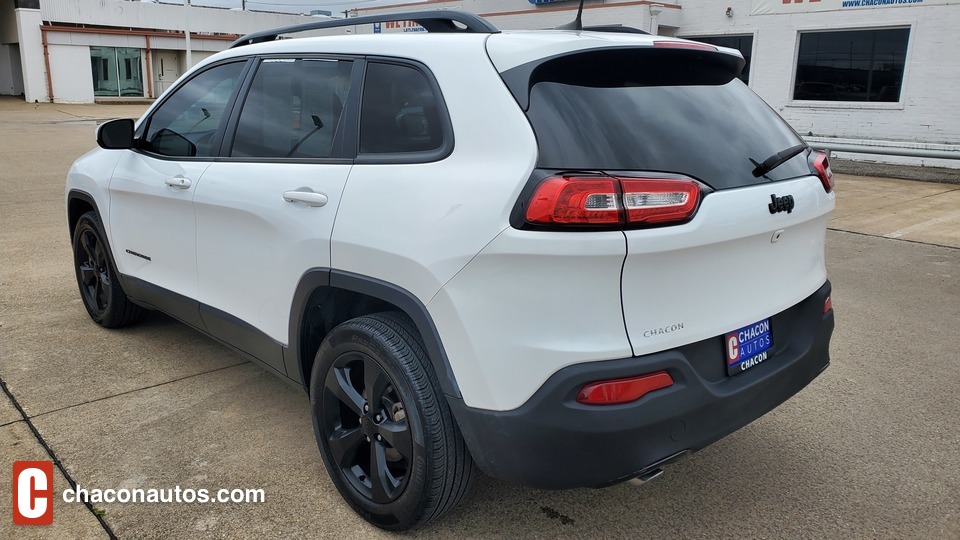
column 309, row 198
column 179, row 182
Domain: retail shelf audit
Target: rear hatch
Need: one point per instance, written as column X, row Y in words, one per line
column 749, row 246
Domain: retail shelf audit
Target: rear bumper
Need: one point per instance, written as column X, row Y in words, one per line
column 553, row 442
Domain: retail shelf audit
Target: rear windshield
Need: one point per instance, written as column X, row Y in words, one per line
column 666, row 111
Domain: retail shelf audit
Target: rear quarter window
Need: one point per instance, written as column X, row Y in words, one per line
column 400, row 112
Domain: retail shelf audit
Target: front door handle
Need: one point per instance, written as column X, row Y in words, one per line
column 309, row 198
column 179, row 183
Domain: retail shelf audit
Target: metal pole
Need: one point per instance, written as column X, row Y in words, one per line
column 655, row 10
column 886, row 150
column 186, row 9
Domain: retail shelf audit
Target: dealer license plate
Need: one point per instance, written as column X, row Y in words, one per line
column 748, row 346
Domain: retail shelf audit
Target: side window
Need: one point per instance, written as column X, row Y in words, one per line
column 293, row 109
column 399, row 111
column 186, row 124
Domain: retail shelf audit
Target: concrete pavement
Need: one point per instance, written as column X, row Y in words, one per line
column 901, row 209
column 869, row 450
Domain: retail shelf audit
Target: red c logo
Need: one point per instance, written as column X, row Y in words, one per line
column 733, row 349
column 32, row 492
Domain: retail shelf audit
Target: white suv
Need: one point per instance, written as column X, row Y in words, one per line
column 567, row 257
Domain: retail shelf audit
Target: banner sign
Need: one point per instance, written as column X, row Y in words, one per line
column 765, row 7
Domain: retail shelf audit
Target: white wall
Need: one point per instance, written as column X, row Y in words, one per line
column 70, row 66
column 196, row 44
column 70, row 70
column 521, row 15
column 196, row 58
column 31, row 55
column 135, row 41
column 634, row 15
column 98, row 40
column 163, row 16
column 928, row 112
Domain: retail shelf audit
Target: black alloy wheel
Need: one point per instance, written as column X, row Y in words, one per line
column 100, row 289
column 366, row 426
column 94, row 273
column 383, row 426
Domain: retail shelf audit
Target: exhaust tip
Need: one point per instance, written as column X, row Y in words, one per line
column 645, row 477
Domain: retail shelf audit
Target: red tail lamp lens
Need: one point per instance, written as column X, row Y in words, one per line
column 616, row 391
column 603, row 200
column 822, row 165
column 827, row 305
column 571, row 200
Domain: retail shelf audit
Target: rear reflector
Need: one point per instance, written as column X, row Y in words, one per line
column 827, row 305
column 684, row 45
column 617, row 391
column 822, row 166
column 609, row 201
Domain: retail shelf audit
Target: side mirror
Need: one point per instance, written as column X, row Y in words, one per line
column 116, row 134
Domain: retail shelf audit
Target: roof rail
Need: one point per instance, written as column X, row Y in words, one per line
column 433, row 21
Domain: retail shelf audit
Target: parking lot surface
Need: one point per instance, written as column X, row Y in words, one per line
column 870, row 450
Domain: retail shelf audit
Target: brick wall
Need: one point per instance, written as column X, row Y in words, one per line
column 929, row 109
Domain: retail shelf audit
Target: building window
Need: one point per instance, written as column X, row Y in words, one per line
column 109, row 80
column 853, row 65
column 744, row 44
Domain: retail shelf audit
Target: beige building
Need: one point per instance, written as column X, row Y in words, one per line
column 78, row 51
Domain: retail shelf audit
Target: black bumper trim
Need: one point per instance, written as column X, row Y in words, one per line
column 553, row 442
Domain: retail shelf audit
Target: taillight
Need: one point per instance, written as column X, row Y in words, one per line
column 615, row 391
column 827, row 305
column 610, row 201
column 822, row 165
column 684, row 45
column 569, row 200
column 659, row 201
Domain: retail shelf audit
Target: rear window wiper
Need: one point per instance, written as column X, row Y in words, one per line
column 776, row 160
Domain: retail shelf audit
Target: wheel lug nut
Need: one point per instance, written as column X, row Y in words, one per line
column 366, row 408
column 367, row 437
column 379, row 437
column 379, row 418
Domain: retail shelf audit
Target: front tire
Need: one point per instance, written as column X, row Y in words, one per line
column 100, row 290
column 385, row 431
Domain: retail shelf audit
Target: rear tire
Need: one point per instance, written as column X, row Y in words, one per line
column 385, row 431
column 100, row 290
